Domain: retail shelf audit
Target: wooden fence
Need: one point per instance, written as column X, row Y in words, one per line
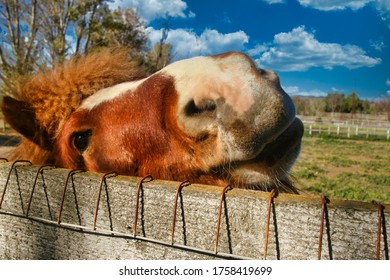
column 53, row 213
column 348, row 131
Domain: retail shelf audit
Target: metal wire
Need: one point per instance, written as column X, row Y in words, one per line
column 104, row 177
column 219, row 217
column 9, row 175
column 182, row 184
column 150, row 178
column 323, row 206
column 40, row 170
column 270, row 200
column 71, row 172
column 379, row 232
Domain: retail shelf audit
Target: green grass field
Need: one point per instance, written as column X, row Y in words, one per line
column 341, row 168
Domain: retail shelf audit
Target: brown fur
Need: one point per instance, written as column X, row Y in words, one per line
column 147, row 129
column 54, row 94
column 28, row 150
column 152, row 144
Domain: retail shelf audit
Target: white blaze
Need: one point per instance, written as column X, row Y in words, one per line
column 110, row 93
column 198, row 79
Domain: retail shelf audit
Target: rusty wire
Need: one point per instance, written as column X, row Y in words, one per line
column 104, row 177
column 70, row 173
column 181, row 185
column 379, row 232
column 224, row 190
column 322, row 221
column 4, row 159
column 40, row 170
column 147, row 177
column 270, row 200
column 22, row 161
column 112, row 233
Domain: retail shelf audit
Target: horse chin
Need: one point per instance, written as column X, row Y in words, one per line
column 270, row 168
column 257, row 179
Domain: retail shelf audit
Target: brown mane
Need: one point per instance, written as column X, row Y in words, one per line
column 55, row 93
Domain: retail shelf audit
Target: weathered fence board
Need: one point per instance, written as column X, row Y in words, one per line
column 350, row 228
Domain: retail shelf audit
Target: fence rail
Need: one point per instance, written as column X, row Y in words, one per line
column 53, row 213
column 348, row 131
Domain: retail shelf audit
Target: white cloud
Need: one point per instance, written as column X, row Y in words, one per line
column 191, row 14
column 186, row 43
column 299, row 50
column 334, row 89
column 388, row 82
column 382, row 6
column 153, row 9
column 225, row 18
column 331, row 5
column 292, row 90
column 259, row 48
column 295, row 90
column 274, row 1
column 377, row 45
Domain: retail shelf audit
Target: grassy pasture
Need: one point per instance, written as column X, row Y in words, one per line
column 343, row 168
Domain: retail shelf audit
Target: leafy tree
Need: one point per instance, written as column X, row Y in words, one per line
column 333, row 102
column 119, row 28
column 352, row 104
column 308, row 106
column 299, row 103
column 39, row 33
column 381, row 106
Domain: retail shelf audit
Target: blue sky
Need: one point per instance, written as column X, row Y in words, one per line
column 316, row 46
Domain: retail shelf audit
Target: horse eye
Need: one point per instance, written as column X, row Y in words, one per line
column 81, row 140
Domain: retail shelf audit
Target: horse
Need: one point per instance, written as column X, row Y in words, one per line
column 216, row 120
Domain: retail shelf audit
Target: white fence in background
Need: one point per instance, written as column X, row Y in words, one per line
column 346, row 130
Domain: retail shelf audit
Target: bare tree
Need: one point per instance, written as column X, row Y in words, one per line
column 19, row 25
column 160, row 55
column 87, row 15
column 57, row 17
column 334, row 102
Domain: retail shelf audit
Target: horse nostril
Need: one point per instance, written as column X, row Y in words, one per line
column 207, row 105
